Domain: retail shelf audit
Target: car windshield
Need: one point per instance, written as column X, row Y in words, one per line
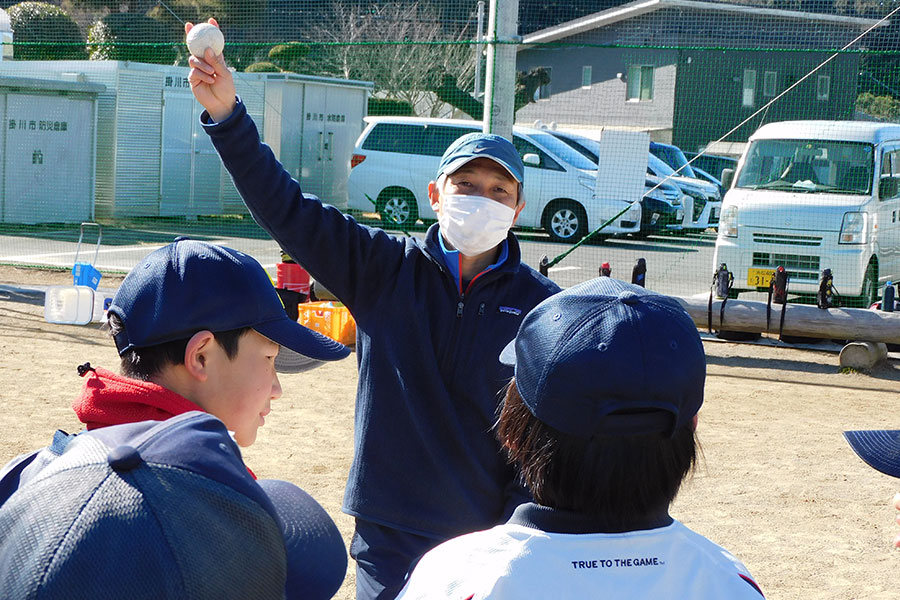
column 585, row 146
column 563, row 150
column 808, row 166
column 674, row 157
column 659, row 168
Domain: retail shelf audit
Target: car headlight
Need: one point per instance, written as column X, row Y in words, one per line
column 588, row 182
column 853, row 228
column 728, row 221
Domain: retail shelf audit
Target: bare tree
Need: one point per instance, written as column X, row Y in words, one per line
column 403, row 48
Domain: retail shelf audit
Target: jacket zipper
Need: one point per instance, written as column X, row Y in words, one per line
column 450, row 356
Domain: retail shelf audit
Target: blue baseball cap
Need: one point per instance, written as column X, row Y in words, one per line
column 482, row 145
column 609, row 357
column 190, row 286
column 879, row 448
column 164, row 509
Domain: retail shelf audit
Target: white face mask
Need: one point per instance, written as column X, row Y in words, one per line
column 474, row 224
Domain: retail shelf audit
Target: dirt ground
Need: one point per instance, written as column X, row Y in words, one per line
column 778, row 485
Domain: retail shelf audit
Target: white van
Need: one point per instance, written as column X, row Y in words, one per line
column 396, row 157
column 814, row 195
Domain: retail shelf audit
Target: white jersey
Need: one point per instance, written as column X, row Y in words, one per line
column 515, row 561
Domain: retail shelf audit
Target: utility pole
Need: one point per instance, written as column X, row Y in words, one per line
column 500, row 81
column 479, row 50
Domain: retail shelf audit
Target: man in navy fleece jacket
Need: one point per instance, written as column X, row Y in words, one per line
column 432, row 316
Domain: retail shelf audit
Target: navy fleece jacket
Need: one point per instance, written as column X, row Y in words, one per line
column 425, row 457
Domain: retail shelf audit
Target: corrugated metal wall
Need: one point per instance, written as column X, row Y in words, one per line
column 129, row 153
column 138, row 143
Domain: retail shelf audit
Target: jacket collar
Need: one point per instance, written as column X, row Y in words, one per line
column 554, row 520
column 432, row 247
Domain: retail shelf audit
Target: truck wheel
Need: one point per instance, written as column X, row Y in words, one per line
column 397, row 207
column 565, row 221
column 869, row 295
column 869, row 292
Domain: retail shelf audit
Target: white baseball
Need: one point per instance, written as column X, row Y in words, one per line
column 204, row 36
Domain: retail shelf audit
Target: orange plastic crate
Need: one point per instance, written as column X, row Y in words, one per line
column 331, row 319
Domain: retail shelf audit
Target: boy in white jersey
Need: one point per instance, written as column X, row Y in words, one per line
column 600, row 419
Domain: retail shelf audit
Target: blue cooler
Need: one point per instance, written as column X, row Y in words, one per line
column 86, row 273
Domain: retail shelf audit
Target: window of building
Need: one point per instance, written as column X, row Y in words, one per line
column 749, row 96
column 823, row 87
column 586, row 76
column 770, row 83
column 639, row 86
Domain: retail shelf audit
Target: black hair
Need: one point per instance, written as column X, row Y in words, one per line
column 621, row 478
column 144, row 363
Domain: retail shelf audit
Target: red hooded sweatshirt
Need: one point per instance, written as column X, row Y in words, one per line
column 110, row 399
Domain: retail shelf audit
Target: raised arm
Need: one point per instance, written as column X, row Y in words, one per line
column 351, row 260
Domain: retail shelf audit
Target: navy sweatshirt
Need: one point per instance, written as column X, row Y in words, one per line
column 425, row 457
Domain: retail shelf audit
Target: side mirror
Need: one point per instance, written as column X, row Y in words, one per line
column 727, row 178
column 888, row 187
column 532, row 159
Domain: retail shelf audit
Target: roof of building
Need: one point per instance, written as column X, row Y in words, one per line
column 639, row 7
column 26, row 84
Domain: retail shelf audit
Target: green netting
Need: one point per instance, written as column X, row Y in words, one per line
column 99, row 126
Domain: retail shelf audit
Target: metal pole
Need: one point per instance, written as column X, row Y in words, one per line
column 500, row 81
column 479, row 50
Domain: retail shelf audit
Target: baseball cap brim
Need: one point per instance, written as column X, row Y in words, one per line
column 880, row 449
column 292, row 362
column 458, row 163
column 508, row 354
column 316, row 555
column 294, row 338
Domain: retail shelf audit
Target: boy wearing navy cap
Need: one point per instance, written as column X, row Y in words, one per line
column 431, row 317
column 199, row 328
column 600, row 419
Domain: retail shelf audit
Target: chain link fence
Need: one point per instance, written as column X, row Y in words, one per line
column 631, row 117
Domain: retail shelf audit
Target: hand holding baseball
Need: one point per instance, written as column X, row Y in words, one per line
column 211, row 81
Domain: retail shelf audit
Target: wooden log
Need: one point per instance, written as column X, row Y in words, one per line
column 799, row 319
column 862, row 356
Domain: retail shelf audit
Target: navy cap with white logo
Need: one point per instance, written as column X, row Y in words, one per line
column 482, row 145
column 609, row 357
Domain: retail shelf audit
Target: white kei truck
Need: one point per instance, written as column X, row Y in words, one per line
column 815, row 195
